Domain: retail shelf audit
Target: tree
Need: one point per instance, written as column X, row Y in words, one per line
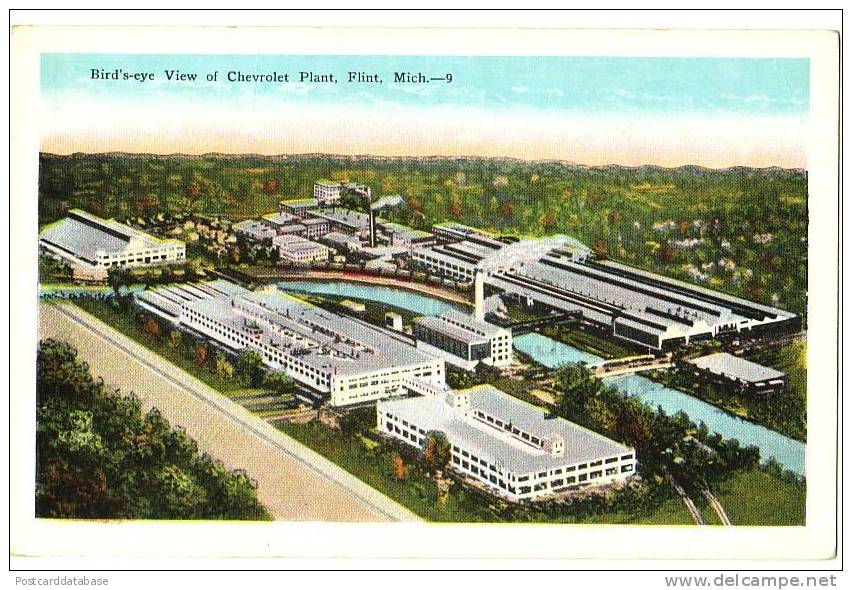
column 249, row 368
column 201, row 352
column 151, row 327
column 222, row 367
column 98, row 456
column 436, row 451
column 279, row 382
column 600, row 248
column 118, row 277
column 270, row 187
column 174, row 338
column 399, row 468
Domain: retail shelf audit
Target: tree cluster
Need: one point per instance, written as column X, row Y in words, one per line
column 99, row 456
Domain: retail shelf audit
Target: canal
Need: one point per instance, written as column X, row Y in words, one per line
column 551, row 353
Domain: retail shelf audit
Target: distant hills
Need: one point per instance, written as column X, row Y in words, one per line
column 365, row 158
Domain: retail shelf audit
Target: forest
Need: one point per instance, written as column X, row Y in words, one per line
column 739, row 230
column 99, row 456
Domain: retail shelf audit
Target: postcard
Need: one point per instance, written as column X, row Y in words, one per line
column 425, row 293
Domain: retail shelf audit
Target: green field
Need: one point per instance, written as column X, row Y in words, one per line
column 756, row 498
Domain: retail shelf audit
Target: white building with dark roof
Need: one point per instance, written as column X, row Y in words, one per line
column 464, row 341
column 93, row 243
column 509, row 447
column 315, row 227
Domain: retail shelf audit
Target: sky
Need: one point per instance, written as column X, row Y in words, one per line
column 590, row 110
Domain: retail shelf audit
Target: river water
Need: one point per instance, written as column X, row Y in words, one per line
column 551, row 353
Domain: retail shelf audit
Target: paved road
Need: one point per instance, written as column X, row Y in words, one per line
column 294, row 483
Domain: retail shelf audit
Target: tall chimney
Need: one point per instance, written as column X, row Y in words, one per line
column 479, row 296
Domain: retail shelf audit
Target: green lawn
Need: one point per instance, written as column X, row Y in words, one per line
column 756, row 498
column 124, row 323
column 670, row 512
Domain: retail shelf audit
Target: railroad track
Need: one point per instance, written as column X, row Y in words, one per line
column 717, row 508
column 690, row 505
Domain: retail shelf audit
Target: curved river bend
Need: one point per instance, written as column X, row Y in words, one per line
column 551, row 353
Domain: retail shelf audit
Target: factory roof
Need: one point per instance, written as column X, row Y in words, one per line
column 279, row 218
column 354, row 219
column 254, row 228
column 472, row 324
column 84, row 235
column 336, row 237
column 321, row 338
column 491, row 442
column 398, row 228
column 314, row 221
column 300, row 203
column 734, row 367
column 456, row 332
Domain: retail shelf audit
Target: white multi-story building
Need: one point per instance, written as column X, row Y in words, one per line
column 88, row 241
column 348, row 360
column 315, row 227
column 299, row 249
column 464, row 341
column 327, row 192
column 511, row 448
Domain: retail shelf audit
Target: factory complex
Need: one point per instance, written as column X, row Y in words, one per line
column 646, row 309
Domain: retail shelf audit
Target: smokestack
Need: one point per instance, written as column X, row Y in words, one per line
column 372, row 228
column 479, row 296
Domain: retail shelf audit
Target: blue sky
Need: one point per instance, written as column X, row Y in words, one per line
column 567, row 84
column 592, row 110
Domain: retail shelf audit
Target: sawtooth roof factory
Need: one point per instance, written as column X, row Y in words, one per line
column 506, row 446
column 635, row 305
column 348, row 360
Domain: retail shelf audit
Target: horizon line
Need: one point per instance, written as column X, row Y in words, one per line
column 412, row 157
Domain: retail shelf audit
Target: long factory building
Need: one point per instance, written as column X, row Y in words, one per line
column 346, row 359
column 510, row 448
column 88, row 241
column 652, row 311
